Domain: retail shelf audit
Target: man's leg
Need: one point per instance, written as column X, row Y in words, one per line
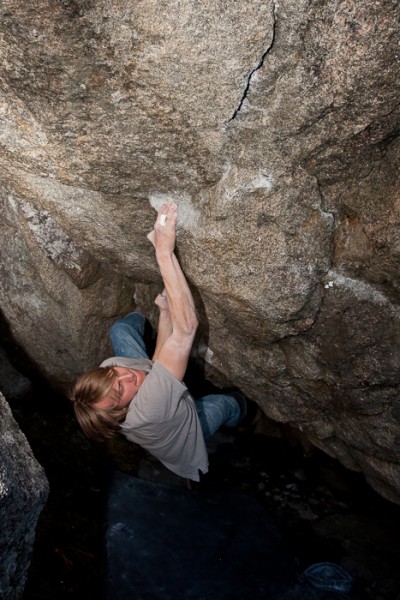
column 220, row 410
column 126, row 336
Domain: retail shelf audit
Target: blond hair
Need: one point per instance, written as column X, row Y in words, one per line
column 98, row 424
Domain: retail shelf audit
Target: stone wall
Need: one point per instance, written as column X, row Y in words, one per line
column 274, row 125
column 23, row 493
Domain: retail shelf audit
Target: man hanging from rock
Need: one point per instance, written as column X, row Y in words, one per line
column 145, row 400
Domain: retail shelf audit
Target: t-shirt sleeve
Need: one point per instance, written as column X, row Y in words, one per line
column 158, row 396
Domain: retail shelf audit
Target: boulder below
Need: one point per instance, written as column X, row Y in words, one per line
column 23, row 493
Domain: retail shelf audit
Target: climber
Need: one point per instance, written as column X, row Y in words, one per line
column 145, row 400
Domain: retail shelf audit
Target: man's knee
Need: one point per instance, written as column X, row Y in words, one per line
column 117, row 327
column 134, row 322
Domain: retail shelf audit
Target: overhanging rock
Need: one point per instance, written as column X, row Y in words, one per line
column 274, row 125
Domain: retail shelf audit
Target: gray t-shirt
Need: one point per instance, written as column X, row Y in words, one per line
column 162, row 418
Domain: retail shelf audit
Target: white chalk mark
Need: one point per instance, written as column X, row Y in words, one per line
column 188, row 215
column 362, row 290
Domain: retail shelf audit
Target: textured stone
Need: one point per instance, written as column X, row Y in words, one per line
column 275, row 128
column 23, row 492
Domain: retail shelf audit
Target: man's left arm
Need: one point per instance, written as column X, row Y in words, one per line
column 164, row 329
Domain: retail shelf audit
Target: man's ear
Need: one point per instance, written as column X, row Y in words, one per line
column 105, row 403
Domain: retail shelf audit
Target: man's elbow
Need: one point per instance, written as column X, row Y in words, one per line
column 189, row 327
column 183, row 335
column 192, row 325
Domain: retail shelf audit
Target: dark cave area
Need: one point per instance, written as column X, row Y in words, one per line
column 325, row 512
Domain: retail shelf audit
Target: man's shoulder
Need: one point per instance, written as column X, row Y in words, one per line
column 159, row 393
column 162, row 374
column 140, row 364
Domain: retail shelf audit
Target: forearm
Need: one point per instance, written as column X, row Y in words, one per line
column 180, row 300
column 164, row 330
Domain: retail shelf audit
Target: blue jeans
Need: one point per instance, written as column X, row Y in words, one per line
column 214, row 410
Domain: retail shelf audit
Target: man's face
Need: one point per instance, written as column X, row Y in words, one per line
column 126, row 384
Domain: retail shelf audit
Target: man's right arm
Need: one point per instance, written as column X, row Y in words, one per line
column 174, row 354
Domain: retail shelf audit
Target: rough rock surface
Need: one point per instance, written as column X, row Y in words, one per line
column 275, row 127
column 23, row 492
